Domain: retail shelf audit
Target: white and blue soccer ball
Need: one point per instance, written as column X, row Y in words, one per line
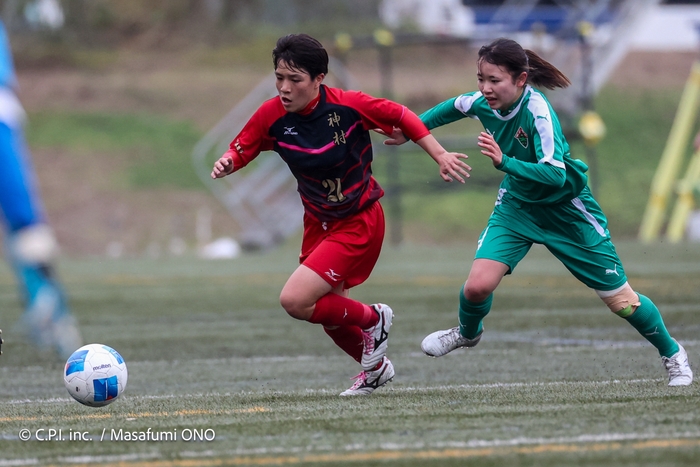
column 95, row 375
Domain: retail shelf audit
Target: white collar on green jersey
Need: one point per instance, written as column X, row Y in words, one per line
column 514, row 108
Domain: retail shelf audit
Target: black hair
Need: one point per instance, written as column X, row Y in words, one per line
column 510, row 55
column 301, row 52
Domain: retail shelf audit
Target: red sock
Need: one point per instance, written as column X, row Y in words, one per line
column 348, row 338
column 335, row 310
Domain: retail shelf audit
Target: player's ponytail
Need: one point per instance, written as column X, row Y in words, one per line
column 510, row 55
column 542, row 73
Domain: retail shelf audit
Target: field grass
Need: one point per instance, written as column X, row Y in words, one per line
column 152, row 151
column 557, row 380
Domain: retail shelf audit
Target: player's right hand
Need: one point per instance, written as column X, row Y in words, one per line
column 222, row 167
column 452, row 167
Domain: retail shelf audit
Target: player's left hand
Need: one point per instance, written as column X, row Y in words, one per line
column 490, row 148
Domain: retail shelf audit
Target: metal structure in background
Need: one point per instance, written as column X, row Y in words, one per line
column 263, row 197
column 592, row 39
column 555, row 31
column 393, row 188
column 667, row 173
column 580, row 50
column 384, row 42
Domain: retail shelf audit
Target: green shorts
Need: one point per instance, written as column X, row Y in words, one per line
column 574, row 231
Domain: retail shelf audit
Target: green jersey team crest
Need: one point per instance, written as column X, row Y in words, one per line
column 521, row 136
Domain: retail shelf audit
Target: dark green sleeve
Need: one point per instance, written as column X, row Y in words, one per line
column 442, row 114
column 545, row 174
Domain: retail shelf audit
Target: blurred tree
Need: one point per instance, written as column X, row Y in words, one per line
column 175, row 23
column 231, row 11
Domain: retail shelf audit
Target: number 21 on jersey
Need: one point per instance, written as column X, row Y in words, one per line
column 335, row 194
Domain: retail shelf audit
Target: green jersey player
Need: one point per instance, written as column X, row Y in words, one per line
column 543, row 199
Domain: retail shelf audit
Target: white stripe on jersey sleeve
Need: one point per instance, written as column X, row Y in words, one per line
column 464, row 102
column 543, row 123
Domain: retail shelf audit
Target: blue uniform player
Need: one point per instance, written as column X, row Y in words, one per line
column 30, row 244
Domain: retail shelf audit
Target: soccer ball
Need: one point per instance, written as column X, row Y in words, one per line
column 95, row 375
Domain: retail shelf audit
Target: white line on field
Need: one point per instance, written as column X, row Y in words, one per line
column 18, row 462
column 408, row 389
column 556, row 343
column 451, row 387
column 413, row 450
column 112, row 458
column 521, row 441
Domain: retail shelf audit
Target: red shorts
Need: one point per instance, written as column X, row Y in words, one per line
column 346, row 250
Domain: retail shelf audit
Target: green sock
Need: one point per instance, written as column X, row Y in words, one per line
column 472, row 314
column 648, row 322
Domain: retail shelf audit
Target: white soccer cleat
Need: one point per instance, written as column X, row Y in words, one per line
column 37, row 320
column 367, row 381
column 678, row 368
column 441, row 343
column 376, row 338
column 66, row 336
column 49, row 325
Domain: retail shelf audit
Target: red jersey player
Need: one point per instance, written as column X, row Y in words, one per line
column 322, row 134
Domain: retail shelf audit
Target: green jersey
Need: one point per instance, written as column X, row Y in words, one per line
column 537, row 162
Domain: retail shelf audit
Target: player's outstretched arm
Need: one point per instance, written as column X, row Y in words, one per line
column 222, row 167
column 452, row 167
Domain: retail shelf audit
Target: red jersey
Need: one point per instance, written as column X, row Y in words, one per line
column 328, row 149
